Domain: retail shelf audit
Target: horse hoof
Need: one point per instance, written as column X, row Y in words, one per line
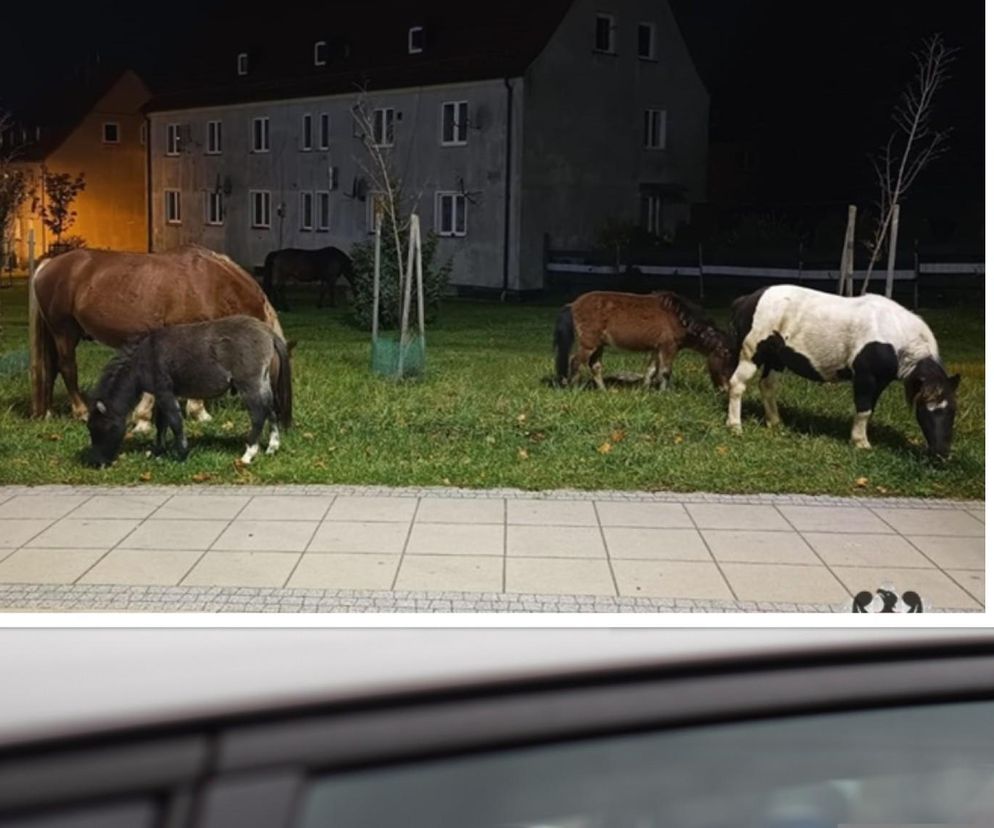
column 862, row 444
column 773, row 423
column 735, row 428
column 142, row 427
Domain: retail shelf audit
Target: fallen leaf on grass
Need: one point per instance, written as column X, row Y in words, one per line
column 145, row 476
column 604, row 448
column 722, row 450
column 308, row 435
column 882, row 489
column 522, row 454
column 861, row 482
column 522, row 417
column 617, row 435
column 53, row 437
column 678, row 439
column 227, row 425
column 200, row 477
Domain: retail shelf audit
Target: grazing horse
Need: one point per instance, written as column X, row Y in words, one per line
column 204, row 360
column 111, row 297
column 660, row 322
column 869, row 339
column 291, row 264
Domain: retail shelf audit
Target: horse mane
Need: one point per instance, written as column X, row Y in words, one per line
column 701, row 329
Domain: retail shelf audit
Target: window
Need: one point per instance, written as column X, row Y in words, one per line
column 260, row 135
column 654, row 129
column 324, row 209
column 259, row 201
column 242, row 63
column 214, row 208
column 213, row 137
column 454, row 117
column 324, row 131
column 647, row 41
column 383, row 127
column 320, row 53
column 415, row 40
column 652, row 210
column 172, row 207
column 307, row 210
column 112, row 133
column 604, row 33
column 306, row 141
column 450, row 214
column 172, row 139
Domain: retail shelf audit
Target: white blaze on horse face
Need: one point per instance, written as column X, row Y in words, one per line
column 250, row 453
column 859, row 429
column 935, row 406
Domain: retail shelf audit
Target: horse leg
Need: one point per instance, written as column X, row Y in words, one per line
column 651, row 371
column 258, row 412
column 143, row 414
column 664, row 358
column 597, row 367
column 161, row 427
column 174, row 418
column 768, row 391
column 736, row 388
column 65, row 346
column 197, row 410
column 866, row 391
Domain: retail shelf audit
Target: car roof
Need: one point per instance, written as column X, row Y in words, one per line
column 61, row 683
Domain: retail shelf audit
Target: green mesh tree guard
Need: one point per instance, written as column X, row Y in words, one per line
column 386, row 356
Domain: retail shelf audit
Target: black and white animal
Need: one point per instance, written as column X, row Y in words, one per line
column 870, row 340
column 200, row 360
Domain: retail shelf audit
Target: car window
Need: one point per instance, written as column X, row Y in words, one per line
column 922, row 765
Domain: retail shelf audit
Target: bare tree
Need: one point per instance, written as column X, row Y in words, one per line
column 912, row 145
column 13, row 190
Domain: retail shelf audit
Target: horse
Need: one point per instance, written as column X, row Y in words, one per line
column 201, row 359
column 324, row 265
column 870, row 340
column 112, row 296
column 661, row 322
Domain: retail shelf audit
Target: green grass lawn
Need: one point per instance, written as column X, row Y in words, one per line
column 486, row 416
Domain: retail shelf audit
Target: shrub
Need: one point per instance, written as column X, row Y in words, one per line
column 435, row 279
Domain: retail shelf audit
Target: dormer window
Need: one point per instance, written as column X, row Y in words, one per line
column 320, row 53
column 415, row 40
column 242, row 63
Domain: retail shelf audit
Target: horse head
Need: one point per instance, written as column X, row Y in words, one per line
column 722, row 360
column 106, row 434
column 932, row 393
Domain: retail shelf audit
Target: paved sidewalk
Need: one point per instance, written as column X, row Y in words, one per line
column 346, row 549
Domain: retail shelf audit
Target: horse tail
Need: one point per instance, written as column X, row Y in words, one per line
column 282, row 384
column 562, row 341
column 42, row 353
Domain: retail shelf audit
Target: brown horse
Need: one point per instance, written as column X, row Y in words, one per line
column 324, row 265
column 660, row 322
column 112, row 297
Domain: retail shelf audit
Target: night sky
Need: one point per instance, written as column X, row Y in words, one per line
column 809, row 84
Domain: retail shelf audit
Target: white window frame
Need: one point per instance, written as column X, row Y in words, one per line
column 212, row 197
column 652, row 41
column 654, row 129
column 265, row 198
column 215, row 132
column 411, row 48
column 653, row 212
column 324, row 131
column 323, row 223
column 103, row 132
column 264, row 147
column 440, row 209
column 306, row 132
column 306, row 197
column 174, row 207
column 460, row 128
column 242, row 63
column 173, row 140
column 389, row 126
column 612, row 40
column 318, row 46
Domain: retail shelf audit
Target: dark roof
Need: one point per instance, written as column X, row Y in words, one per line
column 58, row 111
column 367, row 47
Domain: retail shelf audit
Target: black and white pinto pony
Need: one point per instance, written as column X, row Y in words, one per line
column 201, row 360
column 870, row 340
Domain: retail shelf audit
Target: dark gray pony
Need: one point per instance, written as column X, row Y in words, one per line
column 200, row 360
column 291, row 264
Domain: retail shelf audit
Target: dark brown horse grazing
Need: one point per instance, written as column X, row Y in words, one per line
column 292, row 264
column 111, row 297
column 660, row 322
